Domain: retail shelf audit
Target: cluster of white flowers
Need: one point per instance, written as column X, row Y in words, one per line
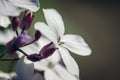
column 41, row 62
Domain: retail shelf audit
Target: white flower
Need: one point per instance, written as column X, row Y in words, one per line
column 7, row 76
column 50, row 66
column 54, row 31
column 53, row 70
column 14, row 7
column 4, row 21
column 6, row 36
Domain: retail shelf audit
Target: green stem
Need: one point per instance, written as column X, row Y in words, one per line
column 9, row 59
column 22, row 52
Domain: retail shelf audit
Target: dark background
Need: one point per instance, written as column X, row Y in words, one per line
column 99, row 23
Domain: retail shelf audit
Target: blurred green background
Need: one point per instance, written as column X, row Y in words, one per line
column 98, row 23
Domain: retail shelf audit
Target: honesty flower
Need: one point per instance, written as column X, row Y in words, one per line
column 54, row 31
column 14, row 7
column 51, row 68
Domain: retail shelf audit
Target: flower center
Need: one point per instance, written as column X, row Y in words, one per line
column 59, row 42
column 50, row 65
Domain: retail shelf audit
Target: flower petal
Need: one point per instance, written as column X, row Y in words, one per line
column 8, row 9
column 54, row 58
column 63, row 73
column 43, row 41
column 32, row 5
column 46, row 31
column 25, row 69
column 4, row 76
column 38, row 76
column 29, row 49
column 6, row 36
column 4, row 21
column 76, row 44
column 51, row 75
column 44, row 63
column 69, row 62
column 41, row 65
column 54, row 21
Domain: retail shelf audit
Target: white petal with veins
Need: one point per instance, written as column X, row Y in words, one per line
column 63, row 73
column 70, row 63
column 32, row 5
column 54, row 21
column 46, row 31
column 76, row 44
column 51, row 75
column 8, row 9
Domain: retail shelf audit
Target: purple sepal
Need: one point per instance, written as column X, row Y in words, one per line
column 23, row 39
column 37, row 35
column 26, row 20
column 15, row 23
column 34, row 57
column 17, row 42
column 15, row 55
column 10, row 46
column 47, row 50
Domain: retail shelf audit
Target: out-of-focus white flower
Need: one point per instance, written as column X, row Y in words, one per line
column 6, row 36
column 51, row 68
column 14, row 7
column 4, row 21
column 7, row 76
column 54, row 31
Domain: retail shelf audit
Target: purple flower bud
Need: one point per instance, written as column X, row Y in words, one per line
column 47, row 50
column 34, row 57
column 37, row 35
column 23, row 20
column 26, row 20
column 30, row 17
column 15, row 23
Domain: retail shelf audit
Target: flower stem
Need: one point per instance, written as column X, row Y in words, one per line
column 9, row 59
column 29, row 43
column 22, row 52
column 17, row 32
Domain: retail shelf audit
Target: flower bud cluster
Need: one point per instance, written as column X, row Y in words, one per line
column 23, row 39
